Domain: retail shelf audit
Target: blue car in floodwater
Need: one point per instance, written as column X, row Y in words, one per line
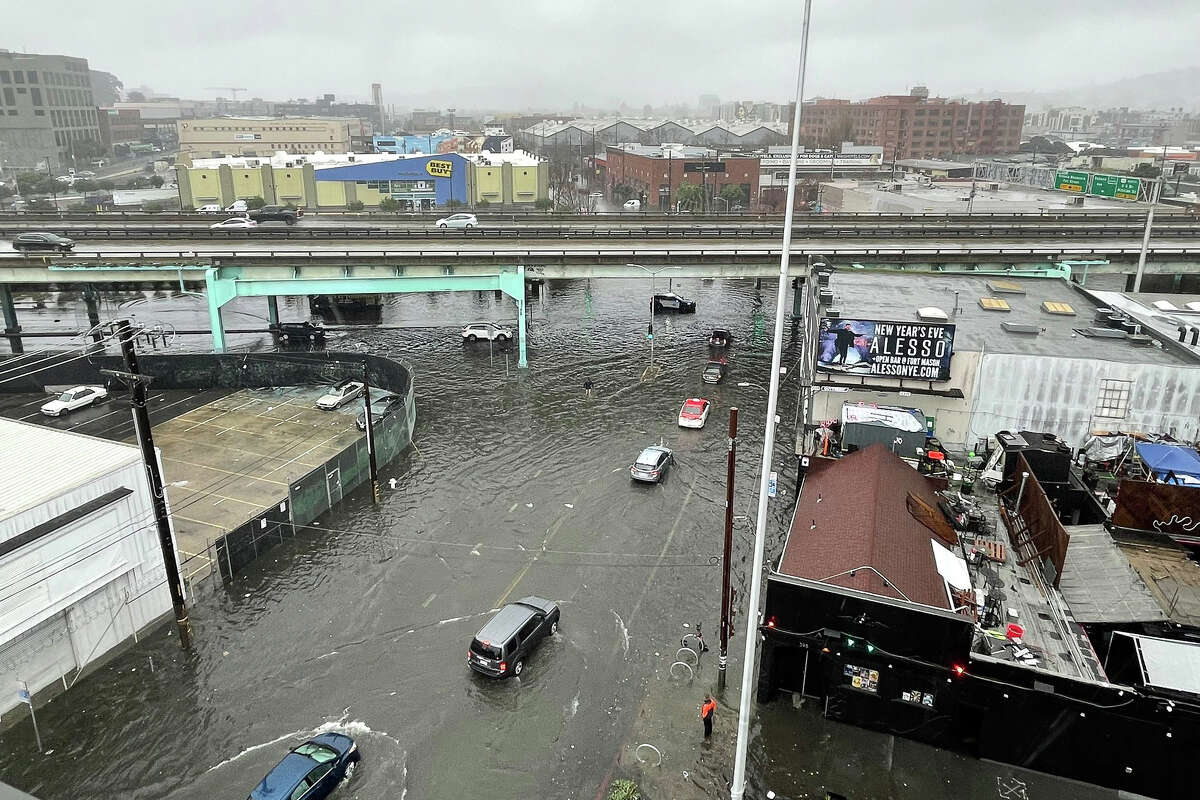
column 310, row 771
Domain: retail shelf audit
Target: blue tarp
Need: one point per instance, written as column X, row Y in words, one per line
column 1183, row 461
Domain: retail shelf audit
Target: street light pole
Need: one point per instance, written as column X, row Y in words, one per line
column 738, row 787
column 649, row 373
column 727, row 555
column 1141, row 267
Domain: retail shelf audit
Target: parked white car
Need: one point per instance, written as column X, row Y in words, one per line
column 236, row 205
column 458, row 221
column 233, row 224
column 339, row 394
column 487, row 330
column 632, row 205
column 211, row 208
column 73, row 399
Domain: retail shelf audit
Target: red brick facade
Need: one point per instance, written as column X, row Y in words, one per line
column 660, row 177
column 909, row 126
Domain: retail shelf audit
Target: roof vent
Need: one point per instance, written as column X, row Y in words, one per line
column 1193, row 305
column 1165, row 305
column 932, row 314
column 1140, row 339
column 1017, row 327
column 825, row 297
column 833, row 313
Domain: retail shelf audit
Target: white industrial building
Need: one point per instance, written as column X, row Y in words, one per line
column 81, row 569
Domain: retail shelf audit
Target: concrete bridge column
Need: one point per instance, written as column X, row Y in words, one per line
column 91, row 298
column 273, row 310
column 13, row 331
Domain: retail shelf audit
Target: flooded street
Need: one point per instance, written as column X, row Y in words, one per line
column 517, row 484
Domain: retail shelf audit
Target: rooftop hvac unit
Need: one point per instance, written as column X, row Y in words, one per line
column 825, row 297
column 1075, row 201
column 993, row 187
column 822, row 278
column 833, row 313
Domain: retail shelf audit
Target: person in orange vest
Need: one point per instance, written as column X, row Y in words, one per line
column 706, row 713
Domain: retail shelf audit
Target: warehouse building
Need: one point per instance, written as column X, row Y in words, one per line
column 79, row 554
column 262, row 136
column 974, row 354
column 334, row 181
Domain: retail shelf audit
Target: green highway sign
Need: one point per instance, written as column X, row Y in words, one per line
column 1071, row 181
column 1118, row 186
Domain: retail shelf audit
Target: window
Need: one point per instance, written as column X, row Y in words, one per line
column 300, row 790
column 5, row 77
column 18, row 76
column 9, row 97
column 32, row 76
column 1113, row 398
column 318, row 772
column 528, row 628
column 36, row 96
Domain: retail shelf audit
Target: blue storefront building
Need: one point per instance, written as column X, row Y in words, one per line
column 417, row 182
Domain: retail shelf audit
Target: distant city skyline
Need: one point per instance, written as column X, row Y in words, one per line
column 551, row 56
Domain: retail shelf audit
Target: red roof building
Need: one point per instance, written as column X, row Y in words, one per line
column 865, row 522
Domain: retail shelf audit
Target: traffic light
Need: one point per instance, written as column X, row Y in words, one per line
column 650, row 330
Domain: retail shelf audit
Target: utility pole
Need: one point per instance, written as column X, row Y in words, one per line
column 158, row 495
column 1141, row 267
column 370, row 436
column 726, row 604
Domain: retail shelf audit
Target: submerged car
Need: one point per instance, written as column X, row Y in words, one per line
column 714, row 371
column 673, row 302
column 382, row 407
column 500, row 648
column 299, row 332
column 310, row 771
column 72, row 399
column 652, row 464
column 694, row 413
column 23, row 242
column 339, row 394
column 720, row 338
column 486, row 330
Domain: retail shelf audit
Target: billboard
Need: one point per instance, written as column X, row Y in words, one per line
column 439, row 169
column 916, row 350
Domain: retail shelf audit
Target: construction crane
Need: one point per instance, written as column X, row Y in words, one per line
column 233, row 90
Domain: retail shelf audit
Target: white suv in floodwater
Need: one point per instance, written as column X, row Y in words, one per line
column 487, row 330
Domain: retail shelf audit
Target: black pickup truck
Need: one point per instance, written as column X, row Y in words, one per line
column 276, row 214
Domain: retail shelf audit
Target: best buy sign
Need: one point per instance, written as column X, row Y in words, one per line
column 439, row 169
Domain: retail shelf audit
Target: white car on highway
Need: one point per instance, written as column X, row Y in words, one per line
column 236, row 205
column 233, row 224
column 339, row 394
column 486, row 330
column 73, row 399
column 458, row 221
column 211, row 208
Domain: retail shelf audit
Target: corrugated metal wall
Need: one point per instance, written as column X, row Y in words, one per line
column 1020, row 392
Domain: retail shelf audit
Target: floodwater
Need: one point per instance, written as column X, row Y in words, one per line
column 517, row 484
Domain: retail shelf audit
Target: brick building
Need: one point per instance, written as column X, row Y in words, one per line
column 659, row 171
column 915, row 125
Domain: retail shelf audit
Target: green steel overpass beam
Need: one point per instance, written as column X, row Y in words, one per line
column 225, row 283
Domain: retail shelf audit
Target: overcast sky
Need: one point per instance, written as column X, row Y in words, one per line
column 549, row 53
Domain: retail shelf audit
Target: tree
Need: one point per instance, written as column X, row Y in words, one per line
column 253, row 203
column 389, row 204
column 136, row 97
column 1145, row 171
column 156, row 181
column 84, row 185
column 41, row 204
column 733, row 195
column 148, row 169
column 5, row 191
column 622, row 192
column 354, row 205
column 106, row 186
column 484, row 203
column 842, row 130
column 690, row 196
column 543, row 203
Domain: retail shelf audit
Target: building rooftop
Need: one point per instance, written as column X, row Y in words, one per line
column 52, row 462
column 897, row 296
column 1164, row 313
column 932, row 163
column 945, row 196
column 869, row 521
column 1099, row 583
column 1168, row 574
column 320, row 160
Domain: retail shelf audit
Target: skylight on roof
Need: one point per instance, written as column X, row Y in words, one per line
column 994, row 304
column 1005, row 287
column 1058, row 308
column 932, row 313
column 1165, row 305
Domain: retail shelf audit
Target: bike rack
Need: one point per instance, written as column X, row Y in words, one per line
column 695, row 655
column 691, row 673
column 638, row 754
